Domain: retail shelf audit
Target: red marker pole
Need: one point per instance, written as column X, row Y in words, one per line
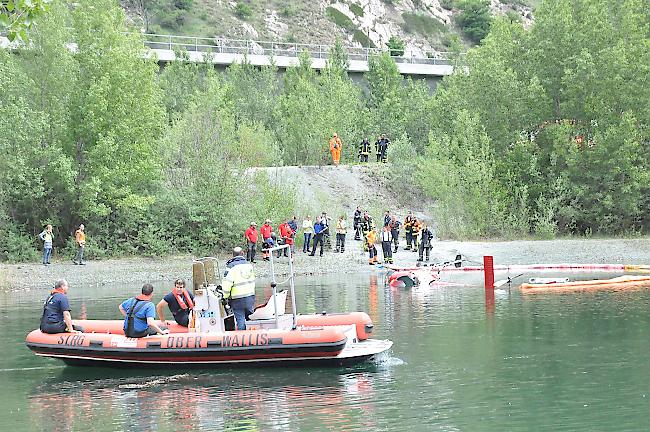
column 488, row 269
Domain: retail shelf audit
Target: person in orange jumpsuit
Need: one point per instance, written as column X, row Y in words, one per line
column 335, row 148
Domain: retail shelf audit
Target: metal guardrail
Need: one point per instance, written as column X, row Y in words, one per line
column 271, row 49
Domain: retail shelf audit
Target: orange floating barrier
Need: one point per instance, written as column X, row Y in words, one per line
column 618, row 283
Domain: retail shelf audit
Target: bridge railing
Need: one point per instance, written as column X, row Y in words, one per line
column 268, row 48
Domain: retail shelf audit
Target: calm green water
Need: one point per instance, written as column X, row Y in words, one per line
column 547, row 362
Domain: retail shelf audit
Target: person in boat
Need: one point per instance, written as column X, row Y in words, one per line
column 56, row 311
column 139, row 315
column 239, row 286
column 180, row 302
column 425, row 242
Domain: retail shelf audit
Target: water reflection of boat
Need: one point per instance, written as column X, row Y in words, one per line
column 271, row 337
column 258, row 400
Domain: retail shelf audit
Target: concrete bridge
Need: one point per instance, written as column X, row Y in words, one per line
column 224, row 52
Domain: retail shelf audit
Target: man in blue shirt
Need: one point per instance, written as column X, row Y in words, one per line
column 319, row 230
column 180, row 302
column 139, row 314
column 56, row 311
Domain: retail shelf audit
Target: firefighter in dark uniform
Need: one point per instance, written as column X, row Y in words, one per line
column 357, row 224
column 425, row 242
column 381, row 146
column 366, row 226
column 364, row 150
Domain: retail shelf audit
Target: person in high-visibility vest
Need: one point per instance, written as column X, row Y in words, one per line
column 372, row 249
column 239, row 286
column 417, row 227
column 408, row 227
column 335, row 148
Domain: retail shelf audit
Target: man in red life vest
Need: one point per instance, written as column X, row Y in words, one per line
column 180, row 302
column 56, row 311
column 251, row 242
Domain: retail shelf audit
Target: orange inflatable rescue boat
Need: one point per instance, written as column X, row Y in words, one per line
column 271, row 337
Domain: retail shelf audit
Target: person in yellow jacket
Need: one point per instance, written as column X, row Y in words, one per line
column 239, row 286
column 417, row 227
column 371, row 237
column 335, row 148
column 341, row 231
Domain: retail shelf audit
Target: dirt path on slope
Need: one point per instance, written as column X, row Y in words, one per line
column 339, row 190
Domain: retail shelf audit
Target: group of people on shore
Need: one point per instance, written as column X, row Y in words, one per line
column 418, row 235
column 381, row 149
column 317, row 233
column 139, row 312
column 47, row 236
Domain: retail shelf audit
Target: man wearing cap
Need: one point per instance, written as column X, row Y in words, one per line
column 239, row 286
column 251, row 242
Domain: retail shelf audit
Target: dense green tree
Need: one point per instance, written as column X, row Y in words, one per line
column 395, row 46
column 253, row 92
column 17, row 16
column 385, row 99
column 181, row 82
column 474, row 18
column 337, row 59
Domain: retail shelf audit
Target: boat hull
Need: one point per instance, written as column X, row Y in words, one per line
column 189, row 348
column 324, row 339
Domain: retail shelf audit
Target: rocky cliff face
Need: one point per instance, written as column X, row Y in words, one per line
column 426, row 26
